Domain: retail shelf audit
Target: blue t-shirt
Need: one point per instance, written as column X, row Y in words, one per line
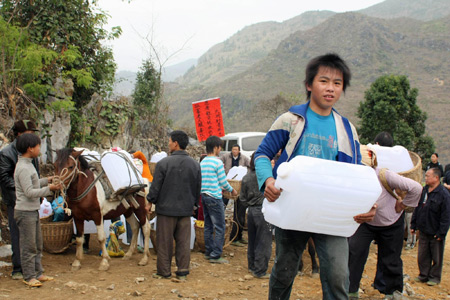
column 319, row 138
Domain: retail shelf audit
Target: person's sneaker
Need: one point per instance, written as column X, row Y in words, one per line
column 265, row 276
column 17, row 276
column 243, row 241
column 418, row 279
column 353, row 296
column 431, row 283
column 219, row 260
column 389, row 297
column 181, row 277
column 237, row 244
column 157, row 276
column 207, row 256
column 408, row 247
column 140, row 249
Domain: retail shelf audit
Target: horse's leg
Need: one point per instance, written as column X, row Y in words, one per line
column 300, row 266
column 135, row 232
column 312, row 253
column 104, row 265
column 146, row 232
column 79, row 224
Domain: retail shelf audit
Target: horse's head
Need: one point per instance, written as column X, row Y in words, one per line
column 68, row 164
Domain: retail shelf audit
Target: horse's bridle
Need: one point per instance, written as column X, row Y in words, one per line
column 64, row 174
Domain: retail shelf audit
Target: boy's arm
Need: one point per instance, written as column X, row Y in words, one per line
column 43, row 182
column 223, row 179
column 25, row 182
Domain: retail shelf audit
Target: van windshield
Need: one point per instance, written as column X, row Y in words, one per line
column 251, row 143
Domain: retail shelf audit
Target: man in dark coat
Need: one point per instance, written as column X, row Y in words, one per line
column 175, row 192
column 8, row 161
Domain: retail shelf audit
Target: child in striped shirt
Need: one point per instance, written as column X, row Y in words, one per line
column 213, row 181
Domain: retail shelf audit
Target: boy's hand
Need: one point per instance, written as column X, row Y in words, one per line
column 271, row 192
column 234, row 193
column 50, row 179
column 55, row 187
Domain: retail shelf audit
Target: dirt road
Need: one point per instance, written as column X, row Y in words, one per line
column 206, row 281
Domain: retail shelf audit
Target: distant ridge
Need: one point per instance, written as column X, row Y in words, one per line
column 425, row 10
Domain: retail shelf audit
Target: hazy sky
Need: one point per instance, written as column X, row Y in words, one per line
column 188, row 28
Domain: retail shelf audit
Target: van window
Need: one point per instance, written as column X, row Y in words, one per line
column 251, row 143
column 230, row 144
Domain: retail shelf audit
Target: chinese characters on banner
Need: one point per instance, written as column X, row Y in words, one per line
column 208, row 118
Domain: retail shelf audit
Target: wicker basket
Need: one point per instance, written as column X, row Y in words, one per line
column 56, row 236
column 200, row 235
column 235, row 184
column 416, row 172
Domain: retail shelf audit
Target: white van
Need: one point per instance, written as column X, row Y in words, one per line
column 248, row 141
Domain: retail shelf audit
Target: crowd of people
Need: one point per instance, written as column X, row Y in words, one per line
column 181, row 187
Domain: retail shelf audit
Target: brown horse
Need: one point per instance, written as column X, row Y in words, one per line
column 76, row 178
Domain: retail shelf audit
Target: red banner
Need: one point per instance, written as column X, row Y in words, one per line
column 208, row 118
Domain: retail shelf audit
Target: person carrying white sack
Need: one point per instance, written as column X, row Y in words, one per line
column 387, row 228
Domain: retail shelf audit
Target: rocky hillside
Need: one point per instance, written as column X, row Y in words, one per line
column 246, row 47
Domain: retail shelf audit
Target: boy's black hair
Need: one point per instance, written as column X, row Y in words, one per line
column 213, row 142
column 27, row 140
column 435, row 154
column 236, row 145
column 181, row 137
column 330, row 60
column 384, row 139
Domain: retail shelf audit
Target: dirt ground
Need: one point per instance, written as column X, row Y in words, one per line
column 206, row 281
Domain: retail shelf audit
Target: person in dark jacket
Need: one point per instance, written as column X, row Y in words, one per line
column 259, row 231
column 175, row 192
column 446, row 179
column 434, row 163
column 230, row 160
column 432, row 218
column 8, row 161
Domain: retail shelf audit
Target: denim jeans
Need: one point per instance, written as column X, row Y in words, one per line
column 214, row 213
column 259, row 241
column 333, row 257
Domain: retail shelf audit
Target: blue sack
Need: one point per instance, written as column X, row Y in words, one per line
column 58, row 211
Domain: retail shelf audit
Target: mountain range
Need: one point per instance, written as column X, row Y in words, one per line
column 267, row 59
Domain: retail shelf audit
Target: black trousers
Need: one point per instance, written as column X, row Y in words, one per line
column 259, row 241
column 390, row 245
column 239, row 218
column 15, row 240
column 430, row 257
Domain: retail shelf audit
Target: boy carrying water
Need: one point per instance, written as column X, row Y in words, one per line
column 26, row 213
